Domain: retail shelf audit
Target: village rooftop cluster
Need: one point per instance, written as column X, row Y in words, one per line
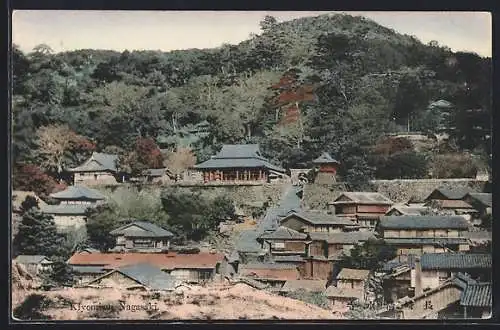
column 436, row 271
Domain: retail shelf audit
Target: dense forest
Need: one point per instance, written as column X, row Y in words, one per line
column 332, row 83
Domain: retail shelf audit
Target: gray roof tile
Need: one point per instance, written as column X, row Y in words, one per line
column 88, row 270
column 320, row 218
column 436, row 241
column 149, row 276
column 363, row 198
column 98, row 162
column 423, row 222
column 66, row 209
column 30, row 259
column 284, row 233
column 239, row 156
column 483, row 198
column 342, row 238
column 457, row 193
column 325, row 158
column 455, row 261
column 79, row 193
column 477, row 295
column 151, row 229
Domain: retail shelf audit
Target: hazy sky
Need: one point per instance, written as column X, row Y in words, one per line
column 168, row 30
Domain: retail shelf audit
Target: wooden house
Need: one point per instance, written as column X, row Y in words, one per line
column 141, row 236
column 157, row 175
column 406, row 209
column 239, row 164
column 317, row 268
column 424, row 234
column 327, row 169
column 135, row 277
column 34, row 264
column 273, row 274
column 284, row 242
column 314, row 221
column 351, row 284
column 482, row 203
column 364, row 208
column 333, row 245
column 305, row 285
column 99, row 169
column 436, row 268
column 457, row 297
column 74, row 202
column 192, row 268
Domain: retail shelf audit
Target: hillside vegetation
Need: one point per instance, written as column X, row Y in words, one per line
column 328, row 83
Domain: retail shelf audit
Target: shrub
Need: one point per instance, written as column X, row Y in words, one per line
column 453, row 165
column 401, row 165
column 314, row 298
column 32, row 308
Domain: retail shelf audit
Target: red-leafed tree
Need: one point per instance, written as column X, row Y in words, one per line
column 146, row 154
column 29, row 177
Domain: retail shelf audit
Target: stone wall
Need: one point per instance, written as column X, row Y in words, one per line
column 317, row 196
column 246, row 198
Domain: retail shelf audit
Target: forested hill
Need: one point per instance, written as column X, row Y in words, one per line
column 328, row 83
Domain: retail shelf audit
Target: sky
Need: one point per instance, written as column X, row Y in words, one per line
column 170, row 30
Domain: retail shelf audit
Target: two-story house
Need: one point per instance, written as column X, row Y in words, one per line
column 417, row 235
column 351, row 286
column 100, row 168
column 316, row 221
column 72, row 206
column 284, row 242
column 334, row 245
column 435, row 268
column 363, row 208
column 141, row 236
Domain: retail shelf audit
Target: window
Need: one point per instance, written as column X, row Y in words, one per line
column 95, row 176
column 279, row 245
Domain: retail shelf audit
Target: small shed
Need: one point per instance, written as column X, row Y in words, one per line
column 34, row 263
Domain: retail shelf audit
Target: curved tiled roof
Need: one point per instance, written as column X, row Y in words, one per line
column 325, row 158
column 78, row 192
column 98, row 162
column 284, row 233
column 477, row 295
column 151, row 230
column 455, row 260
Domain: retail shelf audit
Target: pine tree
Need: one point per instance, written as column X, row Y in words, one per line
column 38, row 235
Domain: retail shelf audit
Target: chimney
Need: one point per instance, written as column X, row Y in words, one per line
column 418, row 277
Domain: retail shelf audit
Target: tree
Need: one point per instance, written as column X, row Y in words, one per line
column 370, row 255
column 100, row 222
column 179, row 161
column 54, row 142
column 453, row 165
column 29, row 177
column 37, row 235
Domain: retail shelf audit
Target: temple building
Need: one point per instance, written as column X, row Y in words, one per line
column 327, row 170
column 241, row 163
column 99, row 169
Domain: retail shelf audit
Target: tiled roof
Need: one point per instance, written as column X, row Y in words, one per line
column 98, row 162
column 247, row 242
column 270, row 272
column 151, row 229
column 325, row 158
column 31, row 259
column 407, row 210
column 288, row 259
column 149, row 276
column 455, row 261
column 161, row 260
column 457, row 193
column 239, row 156
column 342, row 238
column 436, row 241
column 333, row 292
column 398, row 262
column 66, row 209
column 78, row 193
column 363, row 198
column 264, row 265
column 284, row 233
column 453, row 204
column 477, row 295
column 319, row 218
column 88, row 270
column 423, row 222
column 483, row 198
column 308, row 285
column 353, row 274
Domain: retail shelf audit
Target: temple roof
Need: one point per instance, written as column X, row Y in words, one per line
column 325, row 158
column 98, row 162
column 239, row 156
